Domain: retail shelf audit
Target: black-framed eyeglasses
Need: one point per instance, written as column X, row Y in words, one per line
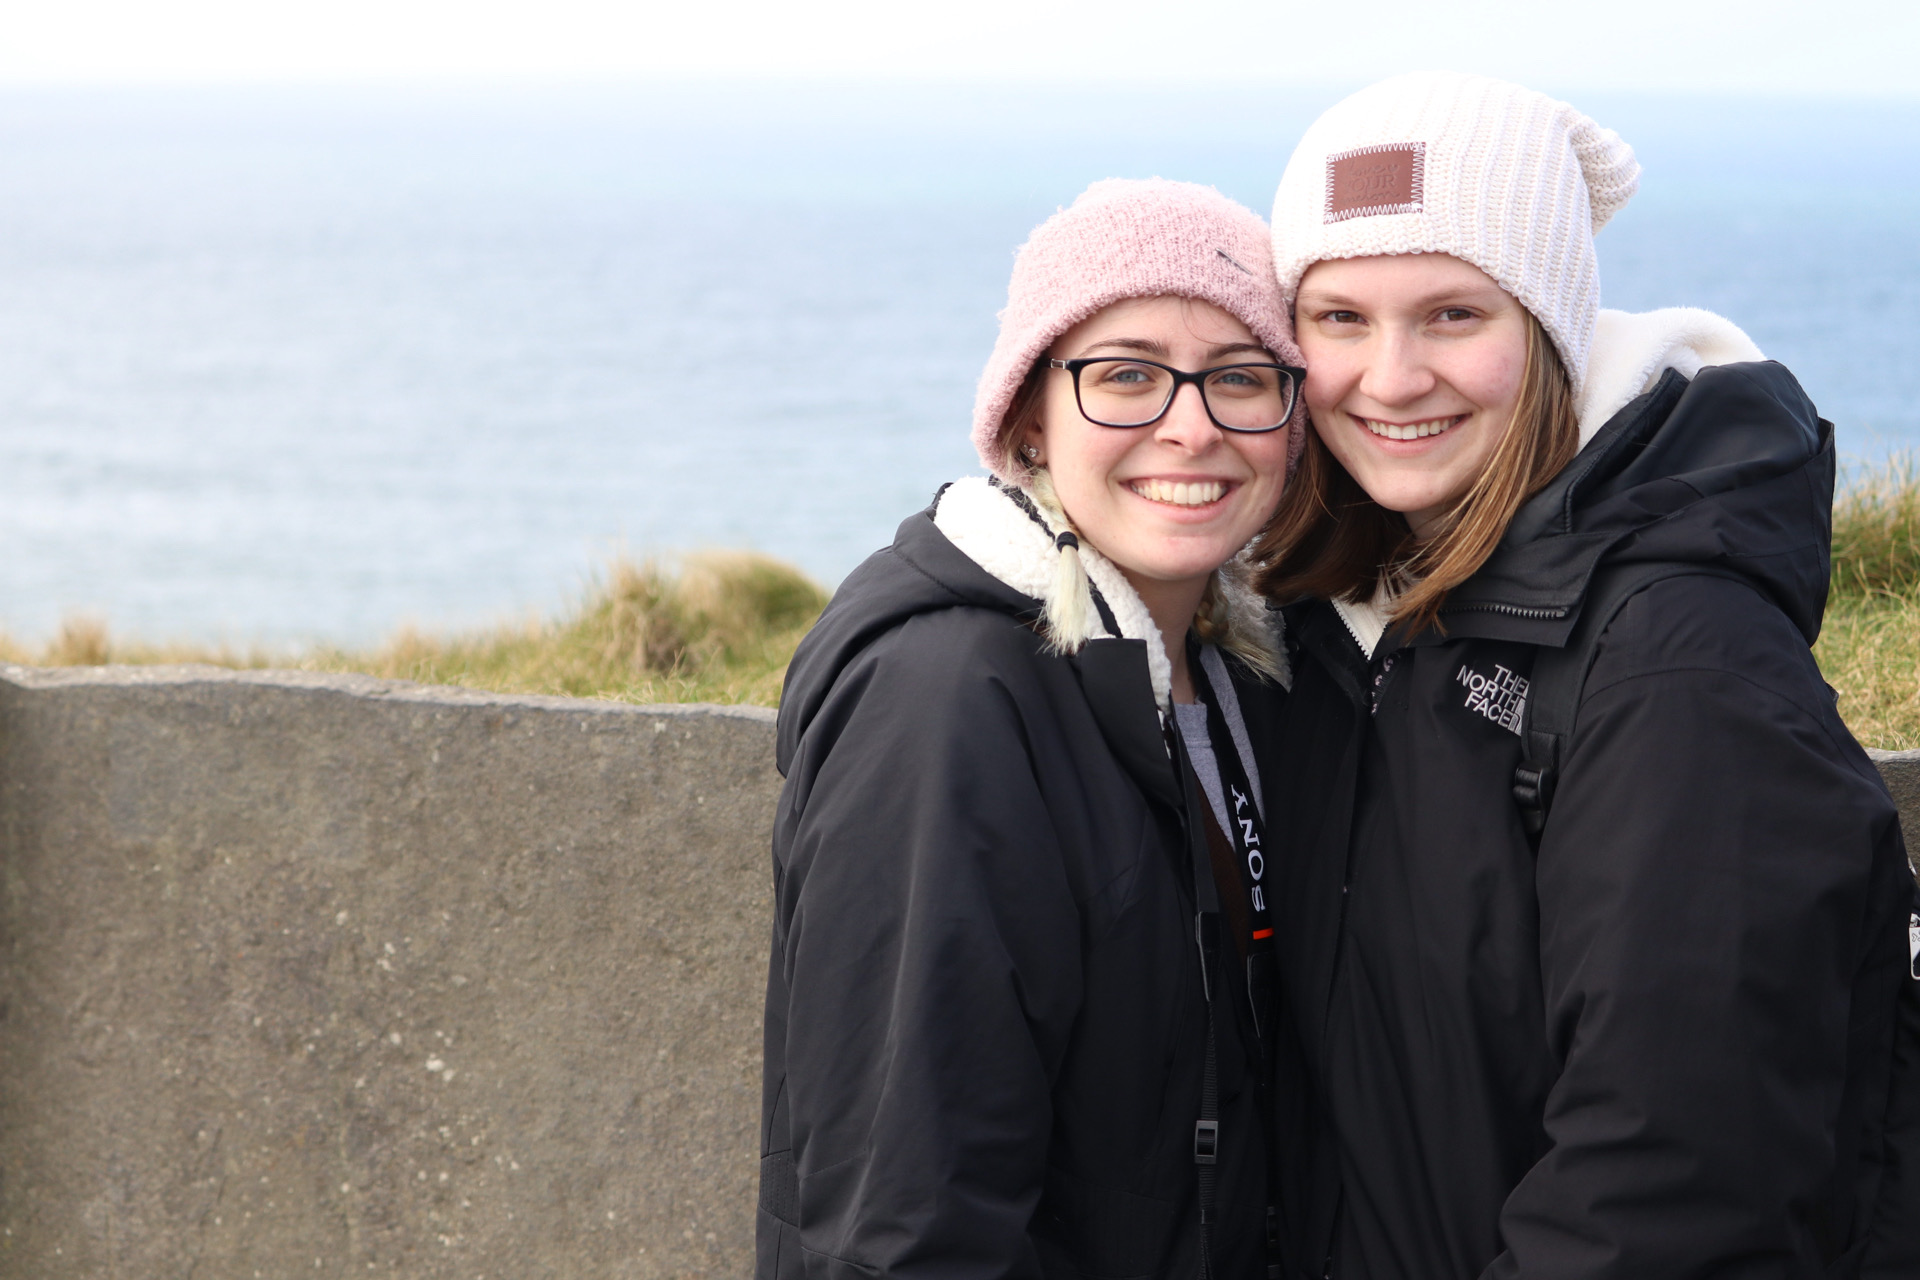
column 1122, row 391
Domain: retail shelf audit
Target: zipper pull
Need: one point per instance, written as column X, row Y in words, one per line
column 1913, row 944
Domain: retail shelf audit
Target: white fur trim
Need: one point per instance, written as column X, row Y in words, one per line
column 1251, row 616
column 1002, row 539
column 1632, row 349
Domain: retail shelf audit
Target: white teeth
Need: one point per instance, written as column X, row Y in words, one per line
column 1196, row 493
column 1411, row 430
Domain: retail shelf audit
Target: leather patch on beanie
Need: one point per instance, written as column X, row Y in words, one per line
column 1370, row 180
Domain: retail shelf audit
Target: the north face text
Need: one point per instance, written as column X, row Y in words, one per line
column 1500, row 697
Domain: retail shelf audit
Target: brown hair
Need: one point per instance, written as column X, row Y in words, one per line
column 1330, row 540
column 1022, row 413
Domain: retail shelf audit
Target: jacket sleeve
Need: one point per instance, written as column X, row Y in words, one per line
column 1707, row 904
column 927, row 961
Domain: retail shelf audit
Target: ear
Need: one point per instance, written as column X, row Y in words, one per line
column 1032, row 447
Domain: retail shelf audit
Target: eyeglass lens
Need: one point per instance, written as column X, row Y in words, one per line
column 1128, row 393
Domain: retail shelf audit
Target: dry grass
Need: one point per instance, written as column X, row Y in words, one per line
column 716, row 627
column 1876, row 531
column 85, row 640
column 1869, row 647
column 1869, row 651
column 720, row 627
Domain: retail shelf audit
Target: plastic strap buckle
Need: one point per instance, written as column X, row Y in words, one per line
column 1206, row 1141
column 1533, row 791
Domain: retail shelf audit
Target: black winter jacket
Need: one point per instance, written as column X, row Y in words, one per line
column 985, row 1024
column 1659, row 1047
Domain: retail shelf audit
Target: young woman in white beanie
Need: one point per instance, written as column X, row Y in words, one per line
column 1593, row 916
column 1021, row 1008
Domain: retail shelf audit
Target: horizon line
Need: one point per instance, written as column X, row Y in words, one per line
column 604, row 81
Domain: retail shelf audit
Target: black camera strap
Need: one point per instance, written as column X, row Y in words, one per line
column 1246, row 830
column 1206, row 937
column 1246, row 835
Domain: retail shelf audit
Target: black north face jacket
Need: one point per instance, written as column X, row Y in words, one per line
column 985, row 1026
column 1663, row 1044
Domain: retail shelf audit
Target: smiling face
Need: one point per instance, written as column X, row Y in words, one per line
column 1414, row 365
column 1171, row 502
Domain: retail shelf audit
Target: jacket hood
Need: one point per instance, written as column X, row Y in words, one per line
column 922, row 572
column 978, row 546
column 1731, row 468
column 1632, row 349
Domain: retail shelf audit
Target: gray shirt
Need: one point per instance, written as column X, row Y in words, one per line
column 1191, row 717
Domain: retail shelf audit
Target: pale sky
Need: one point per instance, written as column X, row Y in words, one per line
column 1792, row 47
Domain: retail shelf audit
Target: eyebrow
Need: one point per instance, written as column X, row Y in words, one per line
column 1152, row 348
column 1437, row 298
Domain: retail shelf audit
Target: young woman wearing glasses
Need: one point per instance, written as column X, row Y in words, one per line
column 1593, row 912
column 1021, row 1001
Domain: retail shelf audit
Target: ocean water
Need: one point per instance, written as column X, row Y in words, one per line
column 288, row 366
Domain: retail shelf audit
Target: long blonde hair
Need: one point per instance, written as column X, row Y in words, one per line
column 1330, row 540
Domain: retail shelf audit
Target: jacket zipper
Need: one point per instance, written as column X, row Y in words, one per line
column 1346, row 871
column 1511, row 610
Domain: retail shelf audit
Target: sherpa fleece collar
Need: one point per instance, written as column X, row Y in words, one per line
column 1632, row 349
column 984, row 522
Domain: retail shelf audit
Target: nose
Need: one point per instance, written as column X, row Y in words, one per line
column 1397, row 372
column 1186, row 424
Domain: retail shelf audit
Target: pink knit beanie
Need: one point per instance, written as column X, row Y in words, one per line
column 1130, row 239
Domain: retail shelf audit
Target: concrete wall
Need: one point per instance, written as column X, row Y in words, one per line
column 331, row 976
column 1901, row 769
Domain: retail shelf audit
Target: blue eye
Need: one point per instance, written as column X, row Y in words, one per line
column 1119, row 377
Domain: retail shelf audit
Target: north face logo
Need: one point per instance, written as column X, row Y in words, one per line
column 1500, row 697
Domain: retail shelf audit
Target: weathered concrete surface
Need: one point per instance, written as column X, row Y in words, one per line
column 322, row 976
column 1901, row 769
column 331, row 976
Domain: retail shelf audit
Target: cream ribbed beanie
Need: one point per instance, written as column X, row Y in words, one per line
column 1503, row 177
